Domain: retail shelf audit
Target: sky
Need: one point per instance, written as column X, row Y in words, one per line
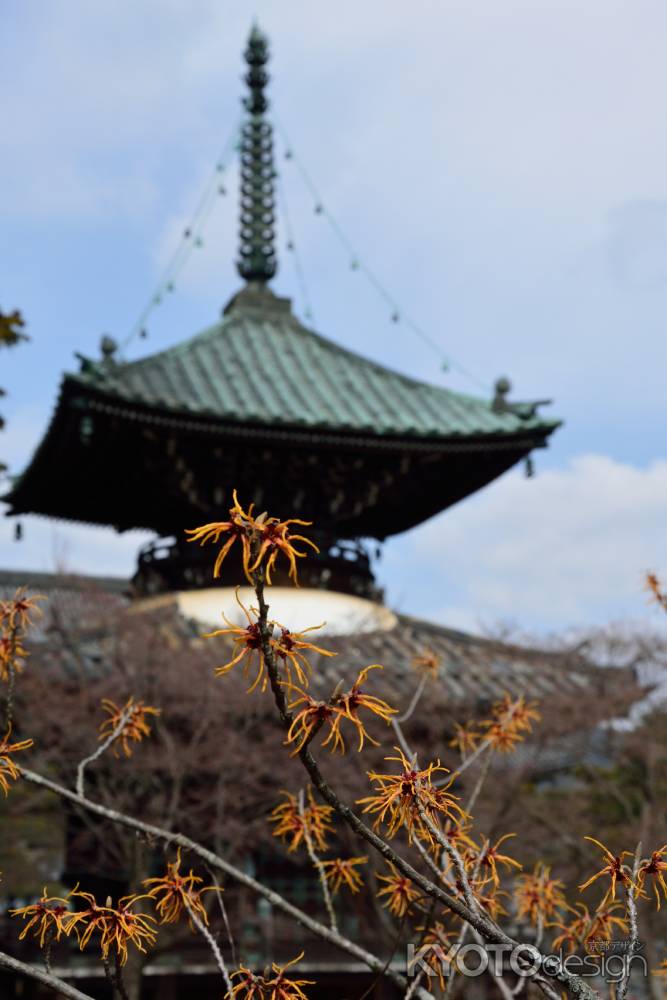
column 502, row 168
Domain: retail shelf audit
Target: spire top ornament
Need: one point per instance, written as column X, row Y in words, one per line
column 257, row 255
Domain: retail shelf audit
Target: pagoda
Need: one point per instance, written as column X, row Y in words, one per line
column 261, row 403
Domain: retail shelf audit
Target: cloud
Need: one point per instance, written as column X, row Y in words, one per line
column 567, row 548
column 103, row 99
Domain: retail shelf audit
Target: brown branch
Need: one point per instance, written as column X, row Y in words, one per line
column 319, row 867
column 83, row 764
column 490, row 932
column 631, row 913
column 213, row 944
column 33, row 972
column 173, row 837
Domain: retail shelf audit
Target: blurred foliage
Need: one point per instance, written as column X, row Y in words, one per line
column 11, row 334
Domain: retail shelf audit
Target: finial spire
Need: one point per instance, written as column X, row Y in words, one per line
column 257, row 255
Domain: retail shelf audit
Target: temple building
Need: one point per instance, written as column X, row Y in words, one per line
column 260, row 403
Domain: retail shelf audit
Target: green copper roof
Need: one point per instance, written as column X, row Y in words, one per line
column 259, row 365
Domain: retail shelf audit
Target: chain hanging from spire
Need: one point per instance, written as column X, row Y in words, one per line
column 257, row 255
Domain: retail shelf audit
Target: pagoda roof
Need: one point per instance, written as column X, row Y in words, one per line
column 260, row 403
column 260, row 366
column 295, row 422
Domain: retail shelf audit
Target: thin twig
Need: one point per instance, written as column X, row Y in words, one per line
column 439, row 874
column 470, row 805
column 577, row 986
column 452, row 854
column 328, row 902
column 223, row 912
column 173, row 837
column 403, row 743
column 415, row 701
column 213, row 944
column 9, row 706
column 465, row 764
column 11, row 678
column 83, row 764
column 115, row 978
column 631, row 911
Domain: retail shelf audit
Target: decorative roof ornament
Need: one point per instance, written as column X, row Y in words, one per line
column 524, row 410
column 257, row 255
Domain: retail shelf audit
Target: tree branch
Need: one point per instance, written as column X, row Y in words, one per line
column 34, row 972
column 173, row 837
column 122, row 722
column 213, row 944
column 577, row 987
column 319, row 867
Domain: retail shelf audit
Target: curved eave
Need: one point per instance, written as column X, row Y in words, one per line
column 48, row 484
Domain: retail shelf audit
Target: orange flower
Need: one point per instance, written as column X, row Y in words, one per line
column 309, row 720
column 348, row 706
column 427, row 663
column 538, row 896
column 491, row 901
column 438, row 941
column 8, row 769
column 276, row 538
column 466, row 738
column 12, row 655
column 400, row 796
column 241, row 525
column 117, row 927
column 135, row 727
column 249, row 986
column 279, row 987
column 262, row 537
column 655, row 587
column 46, row 918
column 399, row 890
column 617, row 871
column 520, row 712
column 289, row 647
column 436, row 933
column 654, row 866
column 247, row 643
column 343, row 872
column 15, row 613
column 341, row 706
column 458, row 835
column 510, row 721
column 175, row 893
column 587, row 927
column 491, row 858
column 290, row 822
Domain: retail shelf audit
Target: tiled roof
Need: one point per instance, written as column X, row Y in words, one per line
column 473, row 668
column 260, row 365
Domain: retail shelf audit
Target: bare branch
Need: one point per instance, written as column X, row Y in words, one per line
column 631, row 910
column 102, row 748
column 213, row 944
column 577, row 987
column 34, row 972
column 318, row 865
column 173, row 837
